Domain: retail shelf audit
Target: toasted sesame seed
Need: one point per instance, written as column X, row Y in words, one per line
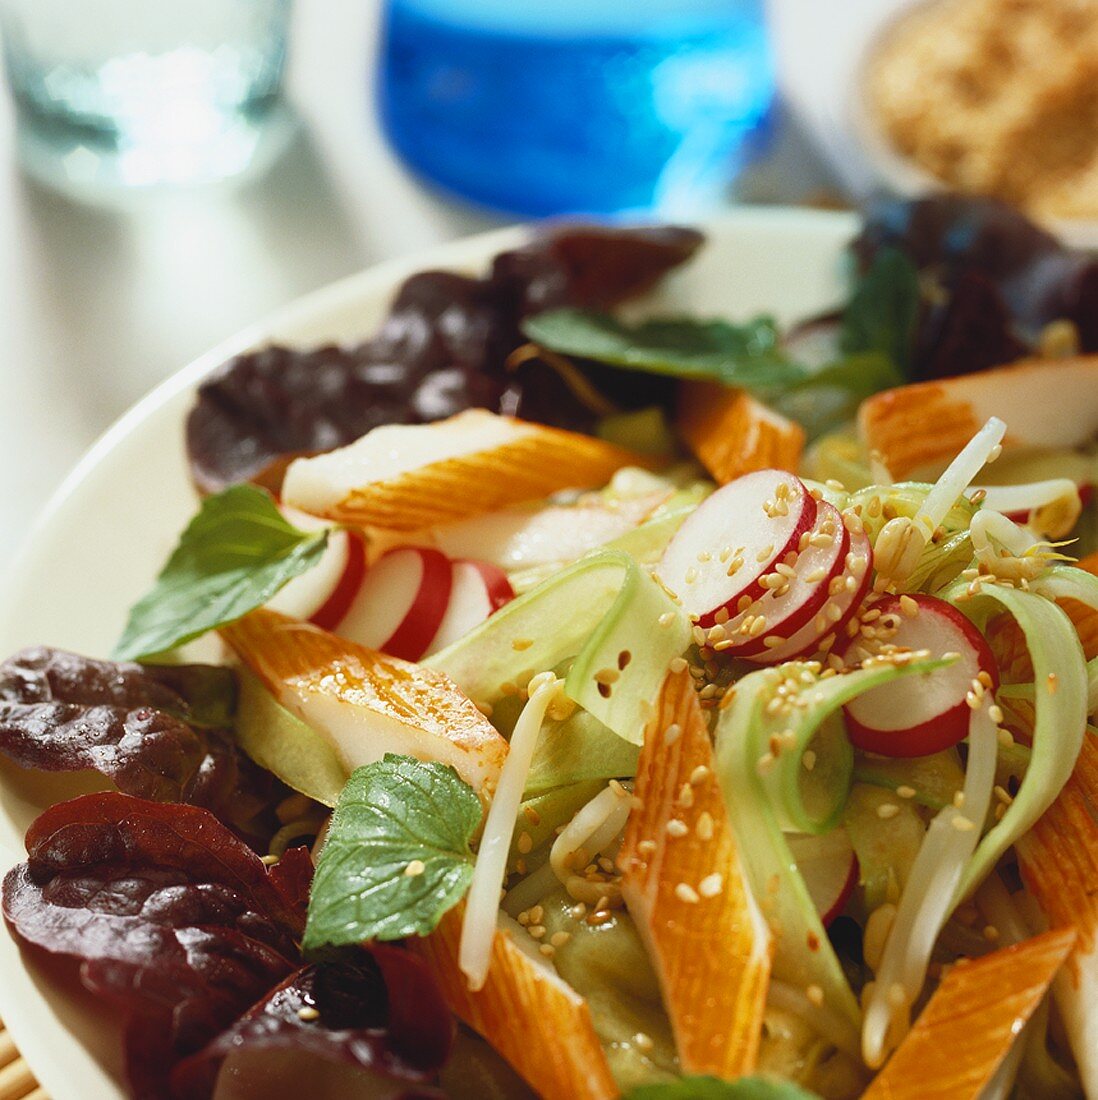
column 959, row 799
column 677, row 664
column 962, row 824
column 897, row 995
column 525, row 843
column 308, row 1013
column 531, row 815
column 415, row 868
column 1052, row 682
column 676, row 828
column 815, row 995
column 536, row 930
column 691, row 575
column 1006, row 738
column 269, row 861
column 906, row 791
column 711, row 885
column 672, row 733
column 704, row 826
column 687, row 893
column 642, row 1041
column 548, row 950
column 699, row 775
column 765, row 553
column 686, row 796
column 887, row 810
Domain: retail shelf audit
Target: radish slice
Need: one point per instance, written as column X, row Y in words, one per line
column 335, row 607
column 478, row 589
column 401, row 602
column 733, row 538
column 817, row 569
column 340, row 569
column 829, row 868
column 919, row 715
column 838, row 609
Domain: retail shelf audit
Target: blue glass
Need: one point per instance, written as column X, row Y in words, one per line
column 566, row 106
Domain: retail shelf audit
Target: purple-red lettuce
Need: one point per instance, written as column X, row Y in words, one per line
column 167, row 915
column 991, row 278
column 443, row 348
column 156, row 731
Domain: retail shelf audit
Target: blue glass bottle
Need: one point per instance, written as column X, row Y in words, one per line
column 544, row 107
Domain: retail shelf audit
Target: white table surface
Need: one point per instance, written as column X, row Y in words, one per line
column 97, row 304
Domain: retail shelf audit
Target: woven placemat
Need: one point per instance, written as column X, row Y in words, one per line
column 16, row 1080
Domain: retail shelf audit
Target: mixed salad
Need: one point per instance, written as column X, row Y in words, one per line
column 676, row 708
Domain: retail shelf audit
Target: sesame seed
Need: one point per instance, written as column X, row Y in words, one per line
column 1006, row 738
column 415, row 868
column 764, row 763
column 887, row 810
column 522, row 643
column 897, row 995
column 711, row 885
column 647, row 847
column 704, row 556
column 676, row 828
column 687, row 894
column 959, row 799
column 525, row 843
column 677, row 664
column 906, row 791
column 991, row 933
column 548, row 950
column 308, row 1013
column 704, row 826
column 962, row 824
column 531, row 815
column 815, row 995
column 536, row 930
column 672, row 733
column 765, row 553
column 1052, row 683
column 691, row 575
column 642, row 1041
column 699, row 775
column 666, row 619
column 537, row 913
column 686, row 795
column 808, row 760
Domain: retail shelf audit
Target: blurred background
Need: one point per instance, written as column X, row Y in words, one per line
column 170, row 175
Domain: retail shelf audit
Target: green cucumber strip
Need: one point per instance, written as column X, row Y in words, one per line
column 596, row 610
column 757, row 803
column 1060, row 715
column 934, row 779
column 283, row 744
column 551, row 809
column 579, row 749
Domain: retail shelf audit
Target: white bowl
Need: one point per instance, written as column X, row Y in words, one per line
column 104, row 535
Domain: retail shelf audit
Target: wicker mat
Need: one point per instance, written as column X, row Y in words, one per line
column 16, row 1080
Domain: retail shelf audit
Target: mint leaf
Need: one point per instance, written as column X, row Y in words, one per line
column 744, row 355
column 831, row 395
column 232, row 558
column 883, row 309
column 712, row 1088
column 390, row 814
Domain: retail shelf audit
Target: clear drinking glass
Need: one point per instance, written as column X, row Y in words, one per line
column 569, row 106
column 143, row 92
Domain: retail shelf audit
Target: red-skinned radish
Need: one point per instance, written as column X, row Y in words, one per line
column 732, row 539
column 802, row 588
column 838, row 609
column 829, row 868
column 325, row 591
column 919, row 715
column 401, row 602
column 479, row 589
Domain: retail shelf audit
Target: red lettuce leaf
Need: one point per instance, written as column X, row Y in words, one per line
column 383, row 1014
column 168, row 916
column 152, row 730
column 995, row 279
column 442, row 349
column 165, row 911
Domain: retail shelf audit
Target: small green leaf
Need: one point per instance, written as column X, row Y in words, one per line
column 744, row 355
column 232, row 558
column 831, row 395
column 390, row 814
column 883, row 309
column 712, row 1088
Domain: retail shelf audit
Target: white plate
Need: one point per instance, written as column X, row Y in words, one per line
column 106, row 532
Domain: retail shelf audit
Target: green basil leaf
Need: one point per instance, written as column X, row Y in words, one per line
column 744, row 355
column 232, row 558
column 712, row 1088
column 831, row 395
column 883, row 309
column 390, row 815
